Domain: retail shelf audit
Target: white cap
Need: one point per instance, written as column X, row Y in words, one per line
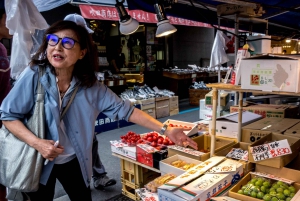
column 78, row 19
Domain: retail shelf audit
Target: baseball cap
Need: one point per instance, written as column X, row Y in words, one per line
column 78, row 19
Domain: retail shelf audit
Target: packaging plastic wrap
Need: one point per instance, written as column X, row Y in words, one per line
column 218, row 54
column 23, row 19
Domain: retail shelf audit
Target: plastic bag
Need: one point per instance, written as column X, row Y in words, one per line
column 22, row 19
column 218, row 54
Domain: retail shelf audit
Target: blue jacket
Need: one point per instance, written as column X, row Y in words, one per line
column 79, row 119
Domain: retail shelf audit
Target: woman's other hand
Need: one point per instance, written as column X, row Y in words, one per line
column 47, row 149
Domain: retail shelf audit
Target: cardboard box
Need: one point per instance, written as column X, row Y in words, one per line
column 280, row 161
column 204, row 142
column 271, row 73
column 151, row 112
column 198, row 190
column 254, row 131
column 293, row 131
column 224, row 98
column 147, row 103
column 149, row 158
column 269, row 110
column 162, row 107
column 126, row 151
column 233, row 191
column 173, row 103
column 166, row 167
column 176, row 123
column 227, row 125
column 247, row 166
column 205, row 114
column 196, row 94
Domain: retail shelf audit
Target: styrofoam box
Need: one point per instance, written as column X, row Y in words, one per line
column 203, row 106
column 166, row 167
column 205, row 114
column 260, row 46
column 129, row 152
column 183, row 123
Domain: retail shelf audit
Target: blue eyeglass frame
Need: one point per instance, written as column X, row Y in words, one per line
column 62, row 40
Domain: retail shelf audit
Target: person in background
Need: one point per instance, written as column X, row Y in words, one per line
column 118, row 60
column 67, row 54
column 4, row 72
column 100, row 178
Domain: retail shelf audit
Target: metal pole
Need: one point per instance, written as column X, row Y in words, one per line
column 239, row 136
column 236, row 47
column 213, row 123
column 219, row 80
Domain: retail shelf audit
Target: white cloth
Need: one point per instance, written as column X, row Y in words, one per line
column 43, row 5
column 22, row 20
column 218, row 54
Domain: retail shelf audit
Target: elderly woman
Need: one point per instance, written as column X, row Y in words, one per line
column 67, row 53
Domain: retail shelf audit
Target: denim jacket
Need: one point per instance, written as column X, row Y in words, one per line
column 79, row 119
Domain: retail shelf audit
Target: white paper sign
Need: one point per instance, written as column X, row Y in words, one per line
column 146, row 195
column 223, row 168
column 238, row 153
column 117, row 143
column 270, row 176
column 186, row 150
column 271, row 150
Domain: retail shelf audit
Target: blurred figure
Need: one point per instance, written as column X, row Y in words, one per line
column 118, row 60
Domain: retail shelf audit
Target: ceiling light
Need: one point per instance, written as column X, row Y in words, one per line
column 163, row 26
column 128, row 25
column 113, row 24
column 288, row 40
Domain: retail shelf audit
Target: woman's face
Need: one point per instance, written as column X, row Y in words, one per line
column 59, row 56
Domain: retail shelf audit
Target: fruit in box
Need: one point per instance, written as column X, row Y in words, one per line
column 131, row 138
column 178, row 125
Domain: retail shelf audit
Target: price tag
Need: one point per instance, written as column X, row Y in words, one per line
column 271, row 150
column 270, row 176
column 194, row 75
column 121, row 82
column 238, row 153
column 146, row 195
column 118, row 143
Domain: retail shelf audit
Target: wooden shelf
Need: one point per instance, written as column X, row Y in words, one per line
column 239, row 89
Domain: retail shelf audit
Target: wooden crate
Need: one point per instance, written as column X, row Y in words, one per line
column 196, row 94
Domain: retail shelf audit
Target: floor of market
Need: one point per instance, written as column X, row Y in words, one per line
column 187, row 113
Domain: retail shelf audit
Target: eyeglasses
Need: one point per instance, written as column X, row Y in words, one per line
column 67, row 43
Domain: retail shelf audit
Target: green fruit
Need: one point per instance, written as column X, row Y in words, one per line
column 253, row 194
column 286, row 192
column 243, row 187
column 280, row 196
column 263, row 189
column 288, row 199
column 246, row 192
column 274, row 199
column 260, row 195
column 273, row 193
column 275, row 186
column 292, row 189
column 292, row 195
column 272, row 189
column 253, row 181
column 255, row 189
column 266, row 184
column 258, row 183
column 240, row 192
column 279, row 182
column 279, row 190
column 267, row 190
column 267, row 197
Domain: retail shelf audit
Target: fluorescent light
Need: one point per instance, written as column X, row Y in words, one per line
column 288, row 40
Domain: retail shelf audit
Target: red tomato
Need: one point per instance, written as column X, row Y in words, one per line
column 154, row 138
column 160, row 141
column 123, row 140
column 153, row 144
column 158, row 148
column 171, row 125
column 171, row 143
column 140, row 141
column 166, row 142
column 155, row 134
column 150, row 139
column 145, row 137
column 149, row 134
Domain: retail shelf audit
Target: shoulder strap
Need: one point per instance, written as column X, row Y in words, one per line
column 69, row 103
column 40, row 90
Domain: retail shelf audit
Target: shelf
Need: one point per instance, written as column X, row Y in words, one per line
column 239, row 89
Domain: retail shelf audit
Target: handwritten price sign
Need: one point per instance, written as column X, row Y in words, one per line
column 238, row 153
column 271, row 150
column 146, row 195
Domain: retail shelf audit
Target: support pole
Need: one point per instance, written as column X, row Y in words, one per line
column 239, row 136
column 213, row 123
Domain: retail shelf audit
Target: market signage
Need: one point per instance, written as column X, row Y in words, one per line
column 238, row 153
column 99, row 2
column 110, row 13
column 270, row 150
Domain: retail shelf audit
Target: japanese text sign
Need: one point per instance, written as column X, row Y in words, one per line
column 238, row 153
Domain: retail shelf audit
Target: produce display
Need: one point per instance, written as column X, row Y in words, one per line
column 178, row 125
column 264, row 189
column 152, row 138
column 182, row 164
column 153, row 185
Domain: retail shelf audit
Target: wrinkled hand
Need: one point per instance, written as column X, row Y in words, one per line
column 177, row 136
column 47, row 149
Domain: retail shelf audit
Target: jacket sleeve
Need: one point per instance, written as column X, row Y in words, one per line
column 20, row 100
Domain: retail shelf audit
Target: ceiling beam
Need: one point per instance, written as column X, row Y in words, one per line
column 280, row 13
